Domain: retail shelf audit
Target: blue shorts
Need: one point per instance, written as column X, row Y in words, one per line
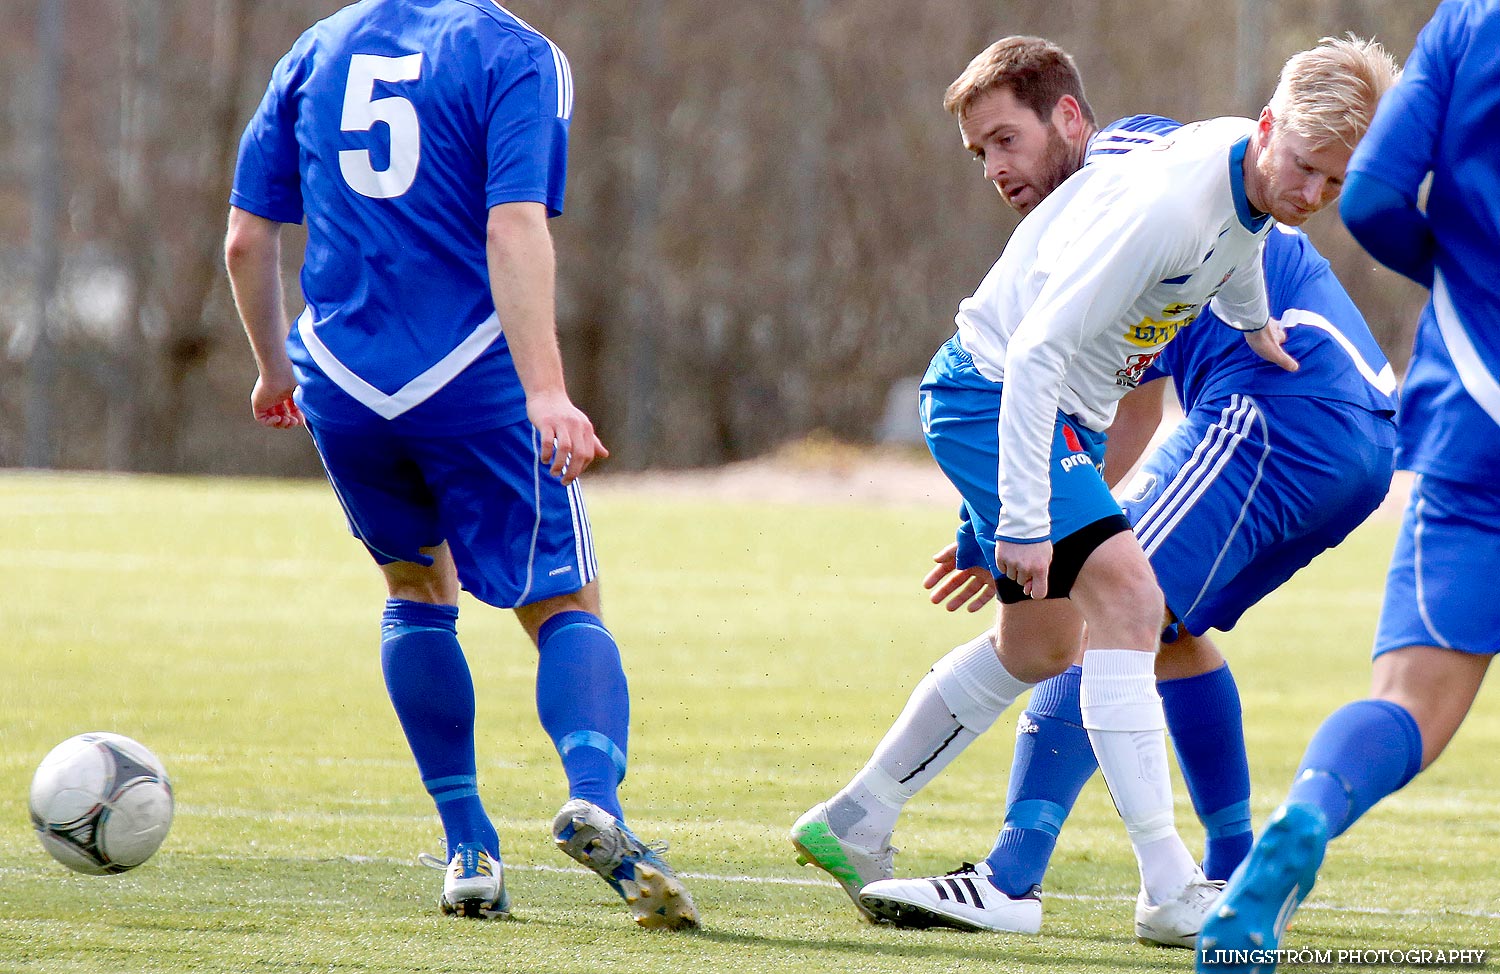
column 961, row 422
column 1440, row 589
column 1247, row 491
column 517, row 535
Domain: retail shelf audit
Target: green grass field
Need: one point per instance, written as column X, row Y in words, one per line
column 231, row 626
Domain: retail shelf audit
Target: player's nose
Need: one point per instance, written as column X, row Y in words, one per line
column 1315, row 190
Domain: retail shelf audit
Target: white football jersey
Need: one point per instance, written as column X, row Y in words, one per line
column 1096, row 280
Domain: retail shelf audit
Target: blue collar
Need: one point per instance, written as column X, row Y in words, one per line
column 1250, row 218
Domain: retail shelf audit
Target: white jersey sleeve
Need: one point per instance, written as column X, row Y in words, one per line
column 1242, row 303
column 1096, row 269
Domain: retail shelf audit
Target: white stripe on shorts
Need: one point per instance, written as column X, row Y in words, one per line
column 1260, row 468
column 1416, row 566
column 589, row 564
column 575, row 508
column 536, row 505
column 1210, row 457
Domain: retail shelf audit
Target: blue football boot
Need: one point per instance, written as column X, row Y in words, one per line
column 1263, row 893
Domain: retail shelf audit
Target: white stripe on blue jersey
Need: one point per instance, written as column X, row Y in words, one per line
column 559, row 63
column 588, row 566
column 577, row 532
column 414, row 393
column 1477, row 380
column 1245, row 503
column 1384, row 380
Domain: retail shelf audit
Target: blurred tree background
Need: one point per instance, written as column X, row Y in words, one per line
column 770, row 219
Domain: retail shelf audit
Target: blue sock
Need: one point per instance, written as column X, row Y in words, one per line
column 430, row 687
column 1053, row 761
column 1203, row 715
column 1363, row 751
column 584, row 705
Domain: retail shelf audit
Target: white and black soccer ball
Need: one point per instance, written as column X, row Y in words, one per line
column 101, row 803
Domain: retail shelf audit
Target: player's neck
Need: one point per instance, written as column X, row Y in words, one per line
column 1081, row 150
column 1254, row 184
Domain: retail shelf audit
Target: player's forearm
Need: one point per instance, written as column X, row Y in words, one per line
column 252, row 256
column 1136, row 419
column 522, row 280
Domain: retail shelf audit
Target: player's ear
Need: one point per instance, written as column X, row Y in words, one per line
column 1067, row 116
column 1265, row 124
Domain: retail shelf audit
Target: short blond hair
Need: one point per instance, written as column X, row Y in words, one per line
column 1328, row 94
column 1036, row 71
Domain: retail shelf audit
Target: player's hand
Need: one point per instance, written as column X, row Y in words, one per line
column 974, row 586
column 1267, row 344
column 272, row 404
column 569, row 443
column 1025, row 564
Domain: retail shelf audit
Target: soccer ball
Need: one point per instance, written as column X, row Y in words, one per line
column 101, row 803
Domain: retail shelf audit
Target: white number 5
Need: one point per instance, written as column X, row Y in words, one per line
column 362, row 111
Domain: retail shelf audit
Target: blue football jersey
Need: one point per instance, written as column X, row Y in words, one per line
column 1339, row 359
column 1442, row 118
column 392, row 127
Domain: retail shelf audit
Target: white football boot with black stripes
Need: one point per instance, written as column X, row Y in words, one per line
column 965, row 899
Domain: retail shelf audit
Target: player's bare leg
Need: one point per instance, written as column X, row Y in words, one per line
column 1187, row 656
column 1436, row 686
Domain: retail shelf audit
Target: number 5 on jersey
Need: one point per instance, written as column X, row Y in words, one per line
column 362, row 110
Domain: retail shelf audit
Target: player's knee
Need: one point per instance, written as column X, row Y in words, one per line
column 1038, row 661
column 533, row 616
column 418, row 583
column 1128, row 612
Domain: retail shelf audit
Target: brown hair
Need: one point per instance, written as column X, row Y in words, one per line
column 1036, row 71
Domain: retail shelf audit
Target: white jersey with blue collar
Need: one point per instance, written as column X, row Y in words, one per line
column 1339, row 360
column 1097, row 280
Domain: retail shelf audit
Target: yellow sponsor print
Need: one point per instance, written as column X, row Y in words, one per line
column 1154, row 332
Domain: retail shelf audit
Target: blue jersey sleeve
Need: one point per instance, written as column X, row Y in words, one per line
column 1390, row 226
column 1402, row 142
column 266, row 178
column 527, row 133
column 1387, row 169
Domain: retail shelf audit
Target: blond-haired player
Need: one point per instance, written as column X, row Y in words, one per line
column 1102, row 273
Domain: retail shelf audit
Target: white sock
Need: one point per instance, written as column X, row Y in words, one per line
column 1123, row 715
column 964, row 694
